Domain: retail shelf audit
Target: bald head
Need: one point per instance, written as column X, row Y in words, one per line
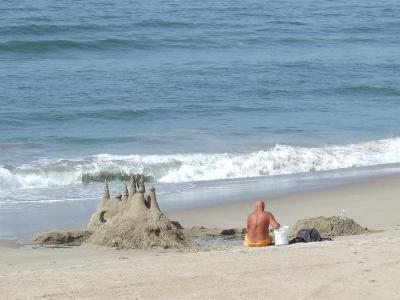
column 260, row 206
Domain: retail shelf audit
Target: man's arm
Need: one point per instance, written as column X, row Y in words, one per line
column 274, row 224
column 248, row 223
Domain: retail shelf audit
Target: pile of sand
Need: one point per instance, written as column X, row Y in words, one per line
column 133, row 220
column 61, row 237
column 329, row 226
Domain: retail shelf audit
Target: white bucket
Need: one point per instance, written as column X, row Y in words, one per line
column 281, row 235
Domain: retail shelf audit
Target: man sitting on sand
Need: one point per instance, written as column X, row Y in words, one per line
column 258, row 227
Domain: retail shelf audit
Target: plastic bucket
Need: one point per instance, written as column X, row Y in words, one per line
column 281, row 235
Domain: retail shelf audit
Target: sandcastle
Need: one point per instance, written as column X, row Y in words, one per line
column 133, row 219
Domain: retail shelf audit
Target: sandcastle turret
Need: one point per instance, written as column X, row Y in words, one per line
column 153, row 200
column 137, row 205
column 101, row 216
column 137, row 181
column 132, row 187
column 117, row 199
column 125, row 196
column 106, row 195
column 141, row 187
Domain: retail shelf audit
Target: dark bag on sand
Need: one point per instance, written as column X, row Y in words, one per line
column 308, row 235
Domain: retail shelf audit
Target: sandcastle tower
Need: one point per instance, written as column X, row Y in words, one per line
column 138, row 223
column 132, row 191
column 105, row 201
column 116, row 203
column 141, row 187
column 102, row 214
column 124, row 200
column 139, row 202
column 132, row 186
column 153, row 202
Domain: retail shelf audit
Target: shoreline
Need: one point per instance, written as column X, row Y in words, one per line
column 23, row 222
column 359, row 197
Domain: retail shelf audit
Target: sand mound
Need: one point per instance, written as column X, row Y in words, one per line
column 329, row 226
column 133, row 220
column 61, row 237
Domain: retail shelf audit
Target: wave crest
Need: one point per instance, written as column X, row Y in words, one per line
column 278, row 160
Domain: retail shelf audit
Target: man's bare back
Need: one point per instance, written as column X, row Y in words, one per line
column 258, row 223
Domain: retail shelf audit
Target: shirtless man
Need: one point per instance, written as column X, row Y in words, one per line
column 258, row 226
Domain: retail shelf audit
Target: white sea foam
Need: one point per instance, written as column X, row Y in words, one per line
column 281, row 159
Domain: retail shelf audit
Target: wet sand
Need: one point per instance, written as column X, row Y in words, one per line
column 373, row 203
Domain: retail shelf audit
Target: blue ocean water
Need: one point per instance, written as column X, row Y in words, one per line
column 190, row 92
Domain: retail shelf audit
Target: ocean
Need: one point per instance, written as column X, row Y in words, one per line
column 215, row 100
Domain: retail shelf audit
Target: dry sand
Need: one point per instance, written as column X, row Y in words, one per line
column 358, row 267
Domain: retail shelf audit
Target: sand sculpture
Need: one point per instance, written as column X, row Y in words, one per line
column 133, row 219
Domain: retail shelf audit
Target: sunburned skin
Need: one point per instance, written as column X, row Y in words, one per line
column 258, row 223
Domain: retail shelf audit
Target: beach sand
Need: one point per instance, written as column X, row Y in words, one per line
column 373, row 202
column 354, row 267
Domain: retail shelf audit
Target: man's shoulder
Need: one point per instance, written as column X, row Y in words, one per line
column 269, row 214
column 250, row 215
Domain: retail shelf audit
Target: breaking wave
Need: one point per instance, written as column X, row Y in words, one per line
column 174, row 168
